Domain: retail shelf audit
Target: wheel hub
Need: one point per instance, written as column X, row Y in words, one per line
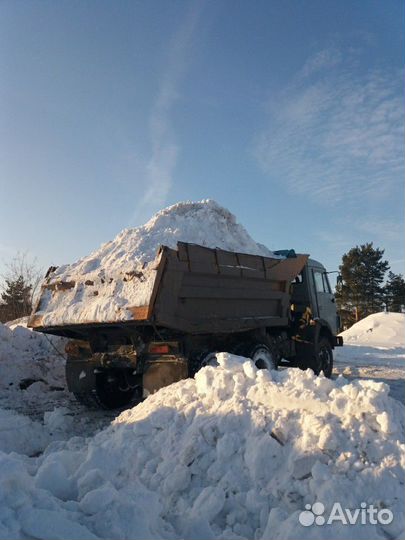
column 324, row 359
column 263, row 359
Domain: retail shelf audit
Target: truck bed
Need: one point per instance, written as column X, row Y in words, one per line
column 193, row 289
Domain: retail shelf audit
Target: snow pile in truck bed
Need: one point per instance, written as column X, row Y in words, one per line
column 385, row 330
column 235, row 453
column 205, row 223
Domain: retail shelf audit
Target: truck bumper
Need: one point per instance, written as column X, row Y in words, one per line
column 156, row 372
column 338, row 341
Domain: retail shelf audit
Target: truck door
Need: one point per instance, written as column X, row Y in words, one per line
column 325, row 299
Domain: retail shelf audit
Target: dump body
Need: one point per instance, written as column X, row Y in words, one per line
column 193, row 289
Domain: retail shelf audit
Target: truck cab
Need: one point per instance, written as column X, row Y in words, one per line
column 311, row 293
column 322, row 298
column 312, row 289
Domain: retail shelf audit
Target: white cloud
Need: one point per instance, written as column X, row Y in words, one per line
column 380, row 228
column 159, row 169
column 327, row 58
column 335, row 134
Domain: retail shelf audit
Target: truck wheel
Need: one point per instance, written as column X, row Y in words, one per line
column 260, row 354
column 200, row 360
column 112, row 391
column 324, row 357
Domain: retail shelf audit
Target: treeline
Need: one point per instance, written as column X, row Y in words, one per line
column 365, row 287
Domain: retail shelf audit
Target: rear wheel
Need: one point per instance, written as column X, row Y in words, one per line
column 114, row 389
column 260, row 353
column 262, row 357
column 202, row 359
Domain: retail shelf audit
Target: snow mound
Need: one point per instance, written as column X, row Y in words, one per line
column 32, row 367
column 234, row 453
column 385, row 330
column 30, row 356
column 135, row 250
column 20, row 434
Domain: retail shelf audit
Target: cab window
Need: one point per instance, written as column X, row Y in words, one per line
column 321, row 282
column 319, row 286
column 326, row 284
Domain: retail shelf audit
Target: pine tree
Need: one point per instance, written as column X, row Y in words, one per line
column 394, row 292
column 361, row 292
column 16, row 298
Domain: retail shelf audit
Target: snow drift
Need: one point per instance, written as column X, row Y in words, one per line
column 134, row 252
column 28, row 358
column 235, row 453
column 32, row 378
column 385, row 330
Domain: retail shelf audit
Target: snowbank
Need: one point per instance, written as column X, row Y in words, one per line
column 27, row 357
column 385, row 330
column 20, row 434
column 31, row 373
column 35, row 406
column 235, row 453
column 134, row 250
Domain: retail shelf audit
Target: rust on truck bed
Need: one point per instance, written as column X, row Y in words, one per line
column 201, row 290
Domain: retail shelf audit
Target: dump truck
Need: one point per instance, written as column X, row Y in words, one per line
column 277, row 311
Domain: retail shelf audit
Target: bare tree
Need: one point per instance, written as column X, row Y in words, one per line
column 22, row 276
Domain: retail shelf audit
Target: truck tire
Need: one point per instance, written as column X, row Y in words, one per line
column 259, row 353
column 324, row 357
column 202, row 359
column 111, row 391
column 88, row 399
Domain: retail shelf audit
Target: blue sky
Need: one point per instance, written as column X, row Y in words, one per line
column 288, row 113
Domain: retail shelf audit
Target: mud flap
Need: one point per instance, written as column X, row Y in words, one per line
column 306, row 348
column 80, row 376
column 162, row 372
column 305, row 355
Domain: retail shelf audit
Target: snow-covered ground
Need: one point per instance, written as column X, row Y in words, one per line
column 235, row 453
column 32, row 383
column 32, row 367
column 375, row 349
